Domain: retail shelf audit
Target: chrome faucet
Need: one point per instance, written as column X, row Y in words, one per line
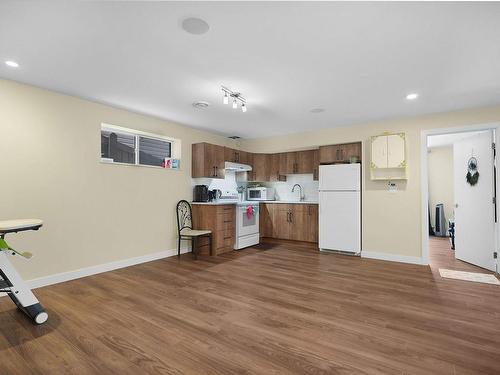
column 300, row 187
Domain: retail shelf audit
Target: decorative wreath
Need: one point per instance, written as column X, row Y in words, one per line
column 472, row 173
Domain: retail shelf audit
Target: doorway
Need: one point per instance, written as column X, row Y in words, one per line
column 459, row 178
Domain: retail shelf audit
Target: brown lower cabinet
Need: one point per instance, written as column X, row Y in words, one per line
column 294, row 221
column 220, row 219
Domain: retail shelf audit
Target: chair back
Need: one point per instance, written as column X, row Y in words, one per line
column 184, row 215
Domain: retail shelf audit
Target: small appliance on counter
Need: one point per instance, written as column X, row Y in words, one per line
column 201, row 193
column 260, row 193
column 214, row 195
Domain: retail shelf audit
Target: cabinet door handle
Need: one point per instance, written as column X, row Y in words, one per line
column 288, row 217
column 216, row 171
column 291, row 217
column 213, row 173
column 337, row 155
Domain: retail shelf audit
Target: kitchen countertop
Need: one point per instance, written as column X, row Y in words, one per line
column 292, row 202
column 216, row 203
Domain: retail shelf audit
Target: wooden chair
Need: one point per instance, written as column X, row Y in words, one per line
column 185, row 228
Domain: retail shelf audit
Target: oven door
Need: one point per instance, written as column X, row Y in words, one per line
column 255, row 194
column 247, row 224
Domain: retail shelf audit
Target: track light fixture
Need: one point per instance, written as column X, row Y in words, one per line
column 236, row 98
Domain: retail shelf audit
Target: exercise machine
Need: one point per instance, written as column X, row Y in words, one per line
column 10, row 280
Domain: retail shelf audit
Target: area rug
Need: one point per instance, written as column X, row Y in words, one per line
column 469, row 276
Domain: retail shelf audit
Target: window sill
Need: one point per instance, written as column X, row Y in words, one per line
column 139, row 165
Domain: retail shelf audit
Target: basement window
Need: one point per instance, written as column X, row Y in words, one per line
column 133, row 147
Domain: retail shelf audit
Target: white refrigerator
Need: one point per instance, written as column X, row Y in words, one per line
column 340, row 207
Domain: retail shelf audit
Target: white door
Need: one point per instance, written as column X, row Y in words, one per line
column 340, row 177
column 474, row 208
column 340, row 221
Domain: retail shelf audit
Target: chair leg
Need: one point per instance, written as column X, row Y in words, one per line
column 193, row 246
column 179, row 247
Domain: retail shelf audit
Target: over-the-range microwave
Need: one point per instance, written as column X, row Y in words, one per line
column 260, row 193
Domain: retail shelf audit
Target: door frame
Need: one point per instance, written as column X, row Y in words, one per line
column 424, row 179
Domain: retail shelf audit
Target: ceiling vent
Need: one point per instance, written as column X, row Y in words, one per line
column 200, row 105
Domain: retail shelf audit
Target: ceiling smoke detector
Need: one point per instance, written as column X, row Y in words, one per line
column 317, row 110
column 201, row 105
column 195, row 26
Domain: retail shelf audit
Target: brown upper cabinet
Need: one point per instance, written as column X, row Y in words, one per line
column 236, row 156
column 291, row 165
column 298, row 162
column 207, row 160
column 341, row 153
column 261, row 168
column 305, row 161
column 316, row 165
column 232, row 155
column 246, row 157
column 274, row 168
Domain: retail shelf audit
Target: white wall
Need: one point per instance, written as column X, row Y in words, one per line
column 94, row 213
column 440, row 172
column 391, row 222
column 284, row 189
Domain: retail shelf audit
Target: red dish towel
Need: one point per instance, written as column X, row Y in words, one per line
column 249, row 212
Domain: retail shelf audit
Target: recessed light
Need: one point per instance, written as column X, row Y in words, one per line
column 317, row 110
column 12, row 64
column 412, row 96
column 195, row 26
column 201, row 105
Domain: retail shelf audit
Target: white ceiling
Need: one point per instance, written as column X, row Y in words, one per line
column 444, row 140
column 355, row 60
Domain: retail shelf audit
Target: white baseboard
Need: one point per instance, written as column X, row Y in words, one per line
column 392, row 257
column 99, row 268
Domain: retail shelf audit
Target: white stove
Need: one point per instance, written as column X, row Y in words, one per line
column 247, row 224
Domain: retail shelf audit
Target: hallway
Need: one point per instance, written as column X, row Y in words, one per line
column 442, row 256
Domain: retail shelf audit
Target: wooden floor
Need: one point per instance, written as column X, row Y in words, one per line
column 284, row 310
column 441, row 256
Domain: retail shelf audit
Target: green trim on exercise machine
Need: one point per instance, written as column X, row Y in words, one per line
column 4, row 246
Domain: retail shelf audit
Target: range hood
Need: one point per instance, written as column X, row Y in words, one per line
column 237, row 167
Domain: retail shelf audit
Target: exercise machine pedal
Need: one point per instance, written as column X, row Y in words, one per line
column 10, row 280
